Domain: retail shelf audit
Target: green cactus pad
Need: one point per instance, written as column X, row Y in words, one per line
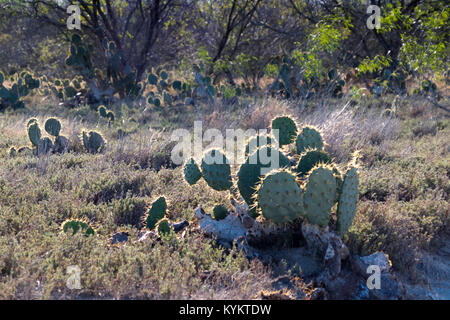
column 77, row 225
column 93, row 141
column 347, row 201
column 53, row 126
column 191, row 172
column 61, row 144
column 163, row 227
column 45, row 146
column 156, row 212
column 34, row 133
column 250, row 172
column 309, row 159
column 220, row 212
column 287, row 129
column 102, row 111
column 257, row 141
column 309, row 138
column 12, row 152
column 279, row 197
column 320, row 195
column 216, row 170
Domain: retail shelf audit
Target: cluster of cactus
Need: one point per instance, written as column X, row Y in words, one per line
column 166, row 91
column 292, row 81
column 156, row 217
column 75, row 225
column 306, row 190
column 43, row 145
column 107, row 114
column 117, row 78
column 63, row 89
column 20, row 86
column 93, row 141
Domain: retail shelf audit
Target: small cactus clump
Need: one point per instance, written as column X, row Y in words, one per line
column 44, row 145
column 307, row 190
column 156, row 213
column 77, row 225
column 93, row 141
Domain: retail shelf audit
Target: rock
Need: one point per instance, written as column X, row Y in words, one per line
column 179, row 226
column 119, row 237
column 228, row 229
column 380, row 259
column 390, row 288
column 318, row 240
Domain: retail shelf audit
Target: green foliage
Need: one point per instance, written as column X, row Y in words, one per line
column 164, row 227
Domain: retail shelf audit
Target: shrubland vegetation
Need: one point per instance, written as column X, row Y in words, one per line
column 86, row 117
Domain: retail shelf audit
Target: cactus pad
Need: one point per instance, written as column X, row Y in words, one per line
column 250, row 172
column 220, row 212
column 347, row 201
column 156, row 212
column 287, row 129
column 191, row 172
column 45, row 146
column 53, row 126
column 320, row 195
column 216, row 170
column 309, row 138
column 34, row 133
column 309, row 159
column 163, row 227
column 93, row 141
column 280, row 198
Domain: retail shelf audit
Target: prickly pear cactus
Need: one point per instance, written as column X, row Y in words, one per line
column 347, row 201
column 250, row 172
column 156, row 212
column 102, row 111
column 320, row 195
column 53, row 126
column 309, row 159
column 309, row 138
column 279, row 197
column 287, row 129
column 77, row 225
column 93, row 141
column 191, row 172
column 220, row 212
column 34, row 133
column 216, row 170
column 163, row 227
column 45, row 146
